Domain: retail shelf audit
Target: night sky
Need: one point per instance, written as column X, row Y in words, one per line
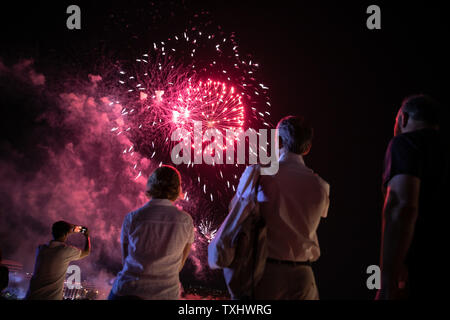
column 318, row 59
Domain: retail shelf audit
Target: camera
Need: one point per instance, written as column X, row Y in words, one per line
column 80, row 229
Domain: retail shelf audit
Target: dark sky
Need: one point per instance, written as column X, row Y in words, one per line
column 318, row 59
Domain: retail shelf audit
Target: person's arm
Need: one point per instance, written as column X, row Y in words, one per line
column 186, row 251
column 326, row 187
column 87, row 246
column 399, row 218
column 187, row 247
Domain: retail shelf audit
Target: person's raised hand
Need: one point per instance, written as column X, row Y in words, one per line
column 72, row 228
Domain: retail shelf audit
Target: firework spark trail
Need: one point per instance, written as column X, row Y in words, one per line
column 210, row 102
column 207, row 230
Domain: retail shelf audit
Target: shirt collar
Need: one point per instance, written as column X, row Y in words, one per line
column 160, row 202
column 291, row 157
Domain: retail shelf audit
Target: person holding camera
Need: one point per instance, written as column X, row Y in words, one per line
column 52, row 261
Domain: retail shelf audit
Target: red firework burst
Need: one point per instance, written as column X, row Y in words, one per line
column 211, row 102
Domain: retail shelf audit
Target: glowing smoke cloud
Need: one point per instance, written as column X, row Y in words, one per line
column 89, row 151
column 61, row 163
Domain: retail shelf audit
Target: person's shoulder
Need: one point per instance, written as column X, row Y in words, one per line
column 322, row 183
column 395, row 140
column 42, row 246
column 409, row 142
column 412, row 138
column 130, row 215
column 304, row 170
column 185, row 216
column 67, row 249
column 66, row 246
column 136, row 211
column 321, row 180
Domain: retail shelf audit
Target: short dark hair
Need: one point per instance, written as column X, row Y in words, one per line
column 295, row 134
column 60, row 229
column 422, row 107
column 164, row 183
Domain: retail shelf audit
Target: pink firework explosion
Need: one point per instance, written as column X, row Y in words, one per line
column 192, row 76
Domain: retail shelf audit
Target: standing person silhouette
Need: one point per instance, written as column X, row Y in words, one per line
column 416, row 185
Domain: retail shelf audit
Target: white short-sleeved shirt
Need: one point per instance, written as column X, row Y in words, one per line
column 52, row 261
column 153, row 239
column 292, row 202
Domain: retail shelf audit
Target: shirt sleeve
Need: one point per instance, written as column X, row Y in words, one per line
column 327, row 199
column 72, row 253
column 402, row 157
column 191, row 232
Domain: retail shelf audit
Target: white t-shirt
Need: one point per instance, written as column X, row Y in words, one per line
column 52, row 261
column 153, row 239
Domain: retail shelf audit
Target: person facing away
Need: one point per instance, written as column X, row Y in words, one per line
column 292, row 203
column 4, row 277
column 416, row 187
column 52, row 261
column 156, row 241
column 4, row 280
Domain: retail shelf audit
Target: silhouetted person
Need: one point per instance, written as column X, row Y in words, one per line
column 416, row 185
column 52, row 261
column 156, row 240
column 4, row 277
column 292, row 202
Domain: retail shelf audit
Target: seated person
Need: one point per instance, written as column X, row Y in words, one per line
column 156, row 240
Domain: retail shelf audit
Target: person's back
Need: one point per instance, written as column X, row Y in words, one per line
column 50, row 269
column 292, row 202
column 156, row 240
column 426, row 154
column 157, row 235
column 416, row 187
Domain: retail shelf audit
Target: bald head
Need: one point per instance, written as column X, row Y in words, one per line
column 417, row 112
